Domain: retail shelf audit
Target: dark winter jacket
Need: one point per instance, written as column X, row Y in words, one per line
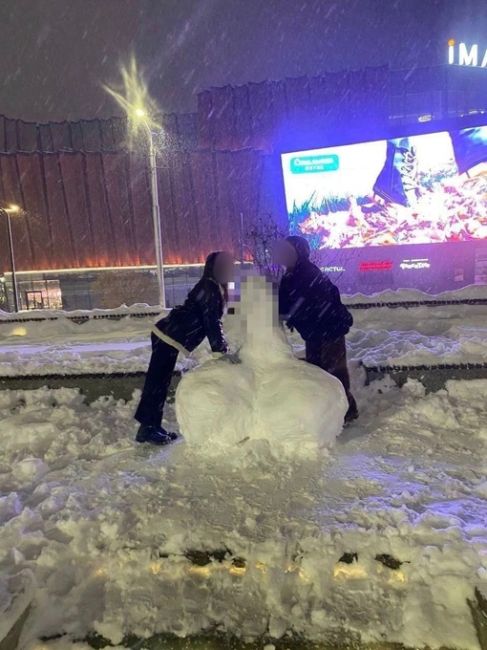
column 200, row 315
column 309, row 302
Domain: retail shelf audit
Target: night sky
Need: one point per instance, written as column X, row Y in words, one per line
column 55, row 54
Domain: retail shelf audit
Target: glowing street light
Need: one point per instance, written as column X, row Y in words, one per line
column 140, row 109
column 10, row 210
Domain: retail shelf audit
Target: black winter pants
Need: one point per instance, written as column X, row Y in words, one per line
column 332, row 357
column 157, row 381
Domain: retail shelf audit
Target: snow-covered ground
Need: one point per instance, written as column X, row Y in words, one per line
column 62, row 346
column 98, row 531
column 420, row 335
column 380, row 336
column 100, row 527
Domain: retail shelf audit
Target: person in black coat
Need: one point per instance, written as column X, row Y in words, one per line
column 310, row 303
column 182, row 331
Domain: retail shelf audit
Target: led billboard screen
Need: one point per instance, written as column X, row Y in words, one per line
column 422, row 189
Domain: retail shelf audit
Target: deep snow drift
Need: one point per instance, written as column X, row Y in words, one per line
column 270, row 396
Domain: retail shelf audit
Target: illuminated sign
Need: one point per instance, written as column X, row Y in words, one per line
column 314, row 164
column 366, row 267
column 334, row 269
column 415, row 265
column 464, row 54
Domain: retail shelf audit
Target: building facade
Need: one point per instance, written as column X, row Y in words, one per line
column 84, row 236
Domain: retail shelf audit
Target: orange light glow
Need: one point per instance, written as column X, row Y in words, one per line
column 94, row 268
column 349, row 571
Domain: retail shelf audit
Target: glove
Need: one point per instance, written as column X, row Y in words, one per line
column 284, row 321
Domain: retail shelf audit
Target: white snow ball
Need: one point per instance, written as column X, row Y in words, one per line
column 213, row 404
column 270, row 396
column 300, row 404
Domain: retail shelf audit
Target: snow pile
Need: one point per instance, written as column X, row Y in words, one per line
column 107, row 527
column 81, row 358
column 470, row 292
column 270, row 396
column 42, row 314
column 459, row 345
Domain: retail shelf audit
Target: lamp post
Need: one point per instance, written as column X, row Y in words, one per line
column 12, row 209
column 141, row 115
column 140, row 110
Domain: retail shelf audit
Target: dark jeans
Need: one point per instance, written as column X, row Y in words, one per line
column 332, row 357
column 157, row 381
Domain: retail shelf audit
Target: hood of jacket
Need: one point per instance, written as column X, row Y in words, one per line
column 301, row 246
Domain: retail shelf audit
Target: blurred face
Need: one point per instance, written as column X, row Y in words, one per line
column 284, row 254
column 224, row 268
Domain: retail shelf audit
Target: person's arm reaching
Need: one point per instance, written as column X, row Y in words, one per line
column 210, row 305
column 283, row 301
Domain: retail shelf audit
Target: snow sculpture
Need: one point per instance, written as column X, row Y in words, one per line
column 270, row 395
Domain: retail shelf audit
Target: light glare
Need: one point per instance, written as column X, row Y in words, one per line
column 12, row 208
column 135, row 100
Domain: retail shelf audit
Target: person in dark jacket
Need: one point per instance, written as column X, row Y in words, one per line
column 310, row 303
column 182, row 331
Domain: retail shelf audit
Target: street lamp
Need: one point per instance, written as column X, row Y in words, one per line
column 140, row 110
column 10, row 210
column 141, row 115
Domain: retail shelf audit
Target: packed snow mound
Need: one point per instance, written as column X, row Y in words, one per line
column 270, row 396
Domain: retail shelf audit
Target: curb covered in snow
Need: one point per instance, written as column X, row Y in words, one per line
column 433, row 378
column 93, row 386
column 121, row 385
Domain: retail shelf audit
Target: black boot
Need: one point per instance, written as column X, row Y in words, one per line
column 154, row 435
column 352, row 413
